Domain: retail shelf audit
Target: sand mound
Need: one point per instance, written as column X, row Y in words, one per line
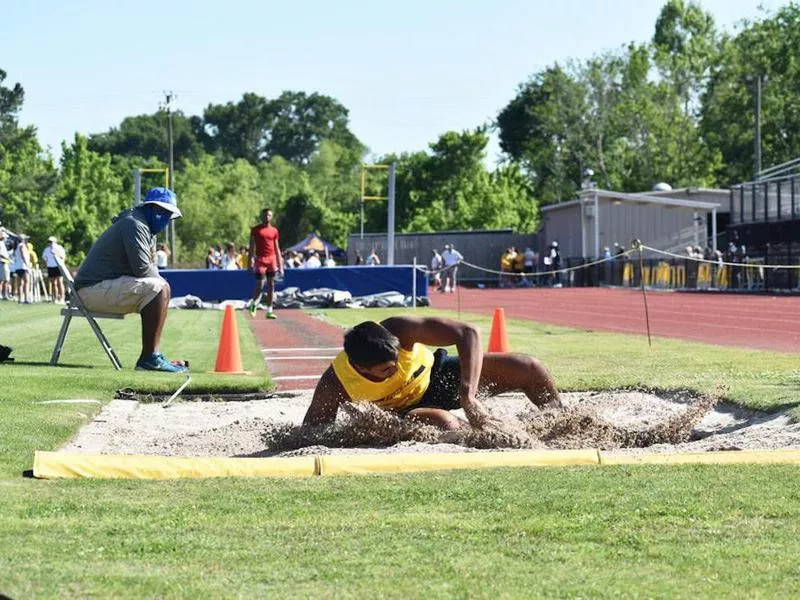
column 621, row 421
column 581, row 426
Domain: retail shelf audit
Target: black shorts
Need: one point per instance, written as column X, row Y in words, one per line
column 53, row 272
column 445, row 382
column 21, row 273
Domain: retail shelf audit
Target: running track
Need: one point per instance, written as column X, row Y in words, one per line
column 297, row 348
column 764, row 322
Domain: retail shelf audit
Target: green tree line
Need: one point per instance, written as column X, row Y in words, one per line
column 676, row 109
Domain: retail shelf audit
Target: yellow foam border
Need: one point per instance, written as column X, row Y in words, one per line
column 52, row 465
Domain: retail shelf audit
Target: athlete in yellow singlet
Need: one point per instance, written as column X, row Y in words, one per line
column 390, row 365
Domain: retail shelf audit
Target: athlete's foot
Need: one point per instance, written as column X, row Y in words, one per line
column 271, row 315
column 252, row 308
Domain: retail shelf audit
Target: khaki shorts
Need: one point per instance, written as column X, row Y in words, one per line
column 122, row 295
column 5, row 273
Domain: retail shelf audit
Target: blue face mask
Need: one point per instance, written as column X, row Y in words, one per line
column 157, row 219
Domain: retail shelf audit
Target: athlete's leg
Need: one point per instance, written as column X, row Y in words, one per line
column 438, row 417
column 270, row 288
column 510, row 372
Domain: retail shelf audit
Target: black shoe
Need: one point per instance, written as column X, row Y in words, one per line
column 5, row 354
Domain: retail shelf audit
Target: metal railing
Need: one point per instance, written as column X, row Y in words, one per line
column 766, row 200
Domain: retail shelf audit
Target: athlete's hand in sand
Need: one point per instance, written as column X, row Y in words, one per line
column 479, row 418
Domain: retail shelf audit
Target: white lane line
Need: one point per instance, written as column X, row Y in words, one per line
column 271, row 358
column 265, row 350
column 294, row 377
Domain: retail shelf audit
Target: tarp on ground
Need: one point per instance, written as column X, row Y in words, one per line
column 313, row 242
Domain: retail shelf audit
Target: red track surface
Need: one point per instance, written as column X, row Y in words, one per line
column 290, row 345
column 765, row 322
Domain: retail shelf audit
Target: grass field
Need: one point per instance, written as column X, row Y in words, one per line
column 671, row 532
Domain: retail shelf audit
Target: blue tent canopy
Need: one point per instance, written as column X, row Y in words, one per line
column 313, row 242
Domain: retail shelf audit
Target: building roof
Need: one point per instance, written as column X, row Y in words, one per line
column 662, row 198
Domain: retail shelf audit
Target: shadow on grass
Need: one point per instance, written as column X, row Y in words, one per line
column 33, row 363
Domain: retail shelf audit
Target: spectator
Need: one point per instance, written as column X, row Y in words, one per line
column 22, row 268
column 436, row 269
column 555, row 263
column 119, row 277
column 5, row 268
column 329, row 262
column 451, row 257
column 373, row 259
column 506, row 267
column 218, row 255
column 359, row 259
column 265, row 260
column 53, row 253
column 529, row 262
column 230, row 260
column 518, row 267
column 313, row 261
column 162, row 256
column 211, row 260
column 36, row 284
column 619, row 268
column 244, row 258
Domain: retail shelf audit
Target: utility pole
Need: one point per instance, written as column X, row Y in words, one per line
column 168, row 98
column 758, row 127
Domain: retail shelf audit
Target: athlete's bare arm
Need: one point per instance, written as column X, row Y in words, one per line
column 279, row 255
column 328, row 395
column 438, row 331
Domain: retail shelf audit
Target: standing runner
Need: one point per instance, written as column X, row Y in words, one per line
column 265, row 261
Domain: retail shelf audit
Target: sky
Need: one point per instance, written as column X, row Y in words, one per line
column 407, row 71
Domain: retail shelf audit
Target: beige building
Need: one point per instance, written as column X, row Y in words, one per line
column 666, row 219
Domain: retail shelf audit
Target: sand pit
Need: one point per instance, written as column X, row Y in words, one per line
column 621, row 421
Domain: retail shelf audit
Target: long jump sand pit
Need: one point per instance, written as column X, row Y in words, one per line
column 621, row 421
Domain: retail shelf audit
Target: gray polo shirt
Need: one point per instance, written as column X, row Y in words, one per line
column 125, row 248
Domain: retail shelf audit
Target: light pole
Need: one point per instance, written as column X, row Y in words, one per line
column 169, row 97
column 759, row 81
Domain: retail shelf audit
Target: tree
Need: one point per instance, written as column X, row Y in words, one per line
column 291, row 126
column 27, row 176
column 11, row 100
column 764, row 48
column 87, row 197
column 450, row 188
column 610, row 115
column 146, row 136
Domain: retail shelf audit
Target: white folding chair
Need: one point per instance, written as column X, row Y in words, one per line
column 75, row 308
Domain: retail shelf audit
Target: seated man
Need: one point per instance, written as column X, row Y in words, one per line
column 118, row 275
column 389, row 364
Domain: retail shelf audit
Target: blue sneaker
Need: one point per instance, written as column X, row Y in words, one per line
column 158, row 362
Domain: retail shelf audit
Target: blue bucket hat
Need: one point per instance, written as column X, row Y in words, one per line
column 165, row 198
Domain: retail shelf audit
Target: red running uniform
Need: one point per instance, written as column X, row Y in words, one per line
column 266, row 259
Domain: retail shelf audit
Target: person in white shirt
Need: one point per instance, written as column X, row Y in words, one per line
column 450, row 257
column 162, row 257
column 5, row 268
column 22, row 268
column 329, row 262
column 436, row 269
column 373, row 259
column 230, row 260
column 53, row 253
column 313, row 261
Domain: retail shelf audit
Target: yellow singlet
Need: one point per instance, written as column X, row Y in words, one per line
column 403, row 389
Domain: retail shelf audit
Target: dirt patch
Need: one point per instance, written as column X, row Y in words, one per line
column 621, row 421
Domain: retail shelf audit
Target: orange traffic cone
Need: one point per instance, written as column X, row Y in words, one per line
column 229, row 358
column 498, row 338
